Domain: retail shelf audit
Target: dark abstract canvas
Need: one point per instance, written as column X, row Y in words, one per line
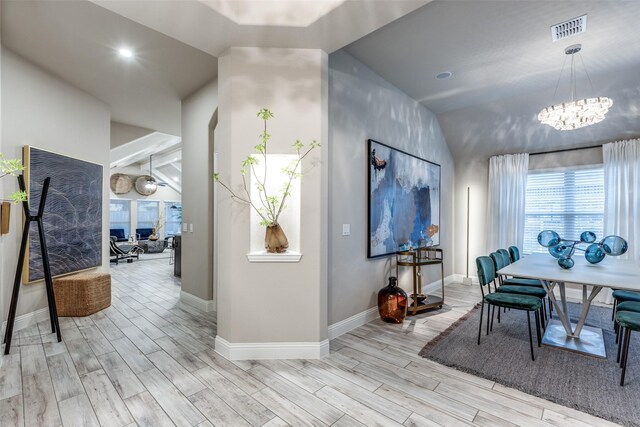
column 72, row 216
column 404, row 201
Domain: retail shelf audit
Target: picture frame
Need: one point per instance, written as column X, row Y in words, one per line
column 403, row 201
column 72, row 216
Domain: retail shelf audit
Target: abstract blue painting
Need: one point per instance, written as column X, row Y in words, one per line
column 404, row 201
column 72, row 215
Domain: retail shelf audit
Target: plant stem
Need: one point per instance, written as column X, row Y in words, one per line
column 291, row 176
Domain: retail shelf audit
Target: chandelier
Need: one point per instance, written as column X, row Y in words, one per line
column 579, row 113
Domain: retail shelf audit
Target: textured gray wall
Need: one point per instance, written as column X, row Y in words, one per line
column 363, row 105
column 42, row 111
column 197, row 200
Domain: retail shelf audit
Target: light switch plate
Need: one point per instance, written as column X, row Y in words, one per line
column 346, row 229
column 185, row 227
column 190, row 228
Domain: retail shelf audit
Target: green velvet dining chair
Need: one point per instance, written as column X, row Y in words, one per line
column 627, row 321
column 505, row 253
column 620, row 296
column 514, row 253
column 517, row 286
column 625, row 306
column 527, row 303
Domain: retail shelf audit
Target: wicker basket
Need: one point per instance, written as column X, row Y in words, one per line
column 82, row 294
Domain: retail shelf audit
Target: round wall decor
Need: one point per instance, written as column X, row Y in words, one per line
column 120, row 183
column 146, row 185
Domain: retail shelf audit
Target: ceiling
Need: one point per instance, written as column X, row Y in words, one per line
column 224, row 23
column 78, row 42
column 175, row 44
column 505, row 66
column 505, row 69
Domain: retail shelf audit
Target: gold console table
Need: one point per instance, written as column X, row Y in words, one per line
column 416, row 259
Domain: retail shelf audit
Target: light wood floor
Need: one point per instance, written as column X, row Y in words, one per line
column 149, row 360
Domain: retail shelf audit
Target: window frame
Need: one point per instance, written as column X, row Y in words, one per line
column 127, row 228
column 138, row 211
column 178, row 223
column 570, row 216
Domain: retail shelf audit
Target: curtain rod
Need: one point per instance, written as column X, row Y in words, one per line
column 566, row 149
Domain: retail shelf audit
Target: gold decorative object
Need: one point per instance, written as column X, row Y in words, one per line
column 416, row 259
column 120, row 183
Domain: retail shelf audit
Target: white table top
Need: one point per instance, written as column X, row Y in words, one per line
column 610, row 273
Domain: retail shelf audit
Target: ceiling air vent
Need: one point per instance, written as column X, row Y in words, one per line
column 569, row 28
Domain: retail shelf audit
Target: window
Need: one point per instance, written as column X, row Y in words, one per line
column 173, row 217
column 568, row 201
column 148, row 212
column 120, row 215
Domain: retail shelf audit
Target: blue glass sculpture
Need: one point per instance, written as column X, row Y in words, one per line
column 563, row 249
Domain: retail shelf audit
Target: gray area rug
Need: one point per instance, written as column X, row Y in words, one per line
column 585, row 383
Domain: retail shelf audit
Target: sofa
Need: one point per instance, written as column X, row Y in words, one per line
column 143, row 233
column 118, row 233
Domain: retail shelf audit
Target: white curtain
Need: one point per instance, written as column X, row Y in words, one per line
column 622, row 194
column 506, row 199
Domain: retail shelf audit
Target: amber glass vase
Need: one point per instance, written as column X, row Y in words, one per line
column 275, row 241
column 392, row 302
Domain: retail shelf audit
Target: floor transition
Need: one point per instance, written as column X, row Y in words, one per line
column 148, row 360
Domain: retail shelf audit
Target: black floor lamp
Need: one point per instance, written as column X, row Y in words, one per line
column 53, row 314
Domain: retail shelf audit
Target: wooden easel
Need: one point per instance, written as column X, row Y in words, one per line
column 53, row 313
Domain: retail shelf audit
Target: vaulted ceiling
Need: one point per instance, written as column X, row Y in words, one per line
column 506, row 67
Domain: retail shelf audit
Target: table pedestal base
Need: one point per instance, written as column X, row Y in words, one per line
column 591, row 341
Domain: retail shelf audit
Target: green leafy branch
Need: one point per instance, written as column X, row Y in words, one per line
column 11, row 167
column 268, row 206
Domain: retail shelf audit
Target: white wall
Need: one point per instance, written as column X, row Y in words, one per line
column 197, row 191
column 2, row 194
column 164, row 193
column 272, row 302
column 473, row 172
column 42, row 111
column 122, row 133
column 363, row 105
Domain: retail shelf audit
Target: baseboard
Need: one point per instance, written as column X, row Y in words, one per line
column 347, row 325
column 353, row 322
column 28, row 319
column 575, row 295
column 459, row 278
column 271, row 350
column 435, row 286
column 199, row 303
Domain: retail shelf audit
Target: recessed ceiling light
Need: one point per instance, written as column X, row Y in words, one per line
column 444, row 75
column 125, row 53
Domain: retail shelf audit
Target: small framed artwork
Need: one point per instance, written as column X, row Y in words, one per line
column 72, row 215
column 404, row 201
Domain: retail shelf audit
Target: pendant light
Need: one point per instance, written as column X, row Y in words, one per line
column 575, row 114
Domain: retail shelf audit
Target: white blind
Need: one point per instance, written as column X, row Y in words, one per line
column 173, row 217
column 569, row 202
column 148, row 213
column 120, row 215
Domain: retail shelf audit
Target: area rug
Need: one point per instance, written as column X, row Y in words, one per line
column 585, row 383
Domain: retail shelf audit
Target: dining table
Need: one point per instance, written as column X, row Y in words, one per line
column 590, row 279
